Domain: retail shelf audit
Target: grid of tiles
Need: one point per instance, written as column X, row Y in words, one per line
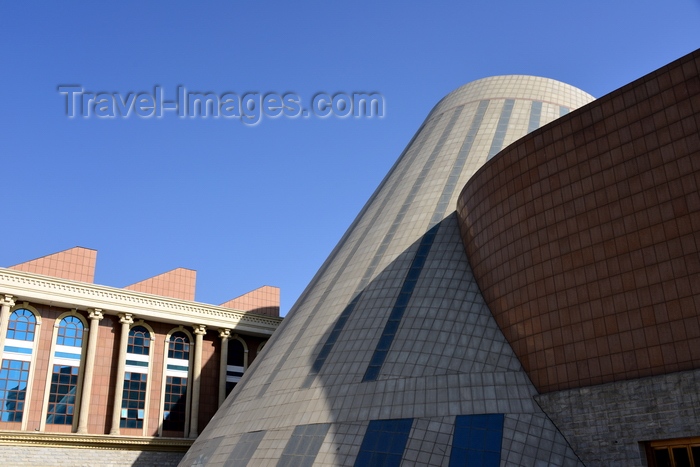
column 535, row 115
column 458, row 166
column 399, row 170
column 405, row 207
column 449, row 329
column 532, row 439
column 501, row 128
column 448, row 357
column 341, row 445
column 583, row 236
column 178, row 283
column 200, row 453
column 14, row 375
column 384, row 443
column 381, row 250
column 245, row 448
column 397, row 312
column 77, row 264
column 477, row 440
column 303, row 446
column 429, row 442
column 64, row 383
column 264, row 300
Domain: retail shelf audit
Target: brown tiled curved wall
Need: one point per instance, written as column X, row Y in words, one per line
column 584, row 236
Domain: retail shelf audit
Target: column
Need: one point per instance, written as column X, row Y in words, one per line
column 6, row 302
column 126, row 320
column 199, row 331
column 95, row 316
column 224, row 334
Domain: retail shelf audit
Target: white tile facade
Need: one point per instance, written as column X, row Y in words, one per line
column 393, row 326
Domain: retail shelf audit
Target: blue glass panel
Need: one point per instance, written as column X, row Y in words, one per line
column 501, row 128
column 477, row 440
column 24, row 350
column 384, row 443
column 372, row 373
column 70, row 332
column 67, row 355
column 13, row 378
column 535, row 115
column 21, row 325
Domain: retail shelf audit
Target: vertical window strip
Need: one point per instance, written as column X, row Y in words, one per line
column 563, row 110
column 415, row 189
column 501, row 128
column 235, row 364
column 535, row 116
column 392, row 325
column 16, row 362
column 134, row 400
column 453, row 178
column 62, row 394
column 65, row 373
column 384, row 443
column 137, row 362
column 176, row 381
column 175, row 407
column 14, row 378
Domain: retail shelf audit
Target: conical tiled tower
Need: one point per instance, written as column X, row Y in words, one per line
column 391, row 353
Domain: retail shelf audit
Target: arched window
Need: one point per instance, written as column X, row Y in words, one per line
column 16, row 361
column 139, row 341
column 21, row 325
column 136, row 378
column 235, row 363
column 66, row 371
column 177, row 369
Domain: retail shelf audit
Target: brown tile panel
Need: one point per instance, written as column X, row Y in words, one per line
column 77, row 264
column 264, row 300
column 178, row 283
column 584, row 236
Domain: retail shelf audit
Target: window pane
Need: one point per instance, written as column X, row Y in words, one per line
column 235, row 353
column 21, row 325
column 64, row 384
column 179, row 346
column 139, row 341
column 696, row 455
column 680, row 456
column 175, row 402
column 133, row 400
column 70, row 332
column 14, row 385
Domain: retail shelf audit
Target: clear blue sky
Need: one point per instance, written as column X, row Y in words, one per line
column 247, row 206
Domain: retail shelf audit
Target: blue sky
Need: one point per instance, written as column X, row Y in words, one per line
column 246, row 205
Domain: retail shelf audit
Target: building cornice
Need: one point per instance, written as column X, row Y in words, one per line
column 65, row 293
column 72, row 440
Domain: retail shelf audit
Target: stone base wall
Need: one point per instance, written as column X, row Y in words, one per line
column 606, row 425
column 22, row 456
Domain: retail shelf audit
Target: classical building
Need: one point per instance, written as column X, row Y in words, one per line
column 131, row 375
column 521, row 289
